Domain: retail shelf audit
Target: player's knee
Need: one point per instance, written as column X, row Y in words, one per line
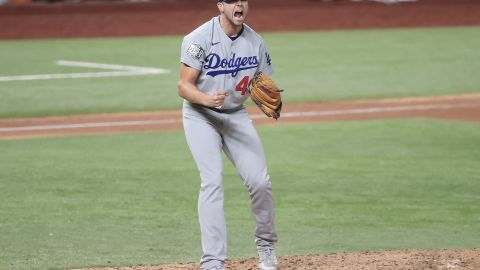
column 211, row 192
column 211, row 183
column 261, row 184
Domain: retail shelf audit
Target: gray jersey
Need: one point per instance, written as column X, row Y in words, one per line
column 225, row 64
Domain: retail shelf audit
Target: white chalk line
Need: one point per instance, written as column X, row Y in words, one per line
column 379, row 110
column 92, row 125
column 120, row 70
column 253, row 116
column 108, row 66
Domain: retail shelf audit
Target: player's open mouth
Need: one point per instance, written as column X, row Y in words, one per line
column 238, row 14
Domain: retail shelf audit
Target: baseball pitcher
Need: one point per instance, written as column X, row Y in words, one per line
column 219, row 59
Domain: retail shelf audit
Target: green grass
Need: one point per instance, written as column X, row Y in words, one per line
column 94, row 95
column 311, row 66
column 376, row 63
column 346, row 186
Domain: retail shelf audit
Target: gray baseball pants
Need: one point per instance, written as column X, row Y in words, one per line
column 208, row 132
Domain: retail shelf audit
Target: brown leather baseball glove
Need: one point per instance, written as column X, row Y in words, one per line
column 265, row 93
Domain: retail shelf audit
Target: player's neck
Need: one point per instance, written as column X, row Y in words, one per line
column 230, row 28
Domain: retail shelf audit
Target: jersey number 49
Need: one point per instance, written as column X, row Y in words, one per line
column 242, row 86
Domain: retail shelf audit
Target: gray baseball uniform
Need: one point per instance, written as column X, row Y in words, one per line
column 226, row 64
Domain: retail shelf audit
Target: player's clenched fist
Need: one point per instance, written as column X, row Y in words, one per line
column 216, row 99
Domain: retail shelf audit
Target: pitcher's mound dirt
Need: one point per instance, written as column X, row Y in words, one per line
column 467, row 259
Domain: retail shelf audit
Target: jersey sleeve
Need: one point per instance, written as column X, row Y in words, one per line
column 265, row 64
column 193, row 51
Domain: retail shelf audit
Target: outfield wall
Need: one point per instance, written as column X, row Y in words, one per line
column 177, row 17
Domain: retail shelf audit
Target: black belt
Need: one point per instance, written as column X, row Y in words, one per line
column 232, row 110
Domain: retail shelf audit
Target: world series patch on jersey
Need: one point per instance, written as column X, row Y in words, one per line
column 196, row 51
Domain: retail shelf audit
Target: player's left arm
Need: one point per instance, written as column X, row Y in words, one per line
column 265, row 63
column 263, row 91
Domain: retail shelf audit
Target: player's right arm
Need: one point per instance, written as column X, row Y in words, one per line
column 188, row 90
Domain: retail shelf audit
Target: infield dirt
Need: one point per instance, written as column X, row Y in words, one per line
column 385, row 260
column 464, row 107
